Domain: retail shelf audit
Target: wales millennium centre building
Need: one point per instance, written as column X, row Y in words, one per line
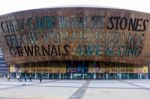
column 76, row 43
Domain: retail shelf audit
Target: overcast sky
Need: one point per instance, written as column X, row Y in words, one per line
column 8, row 6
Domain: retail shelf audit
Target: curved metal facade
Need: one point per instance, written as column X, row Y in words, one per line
column 92, row 34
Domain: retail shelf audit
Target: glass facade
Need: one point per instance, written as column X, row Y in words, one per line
column 3, row 65
column 80, row 70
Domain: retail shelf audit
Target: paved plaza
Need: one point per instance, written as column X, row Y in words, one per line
column 75, row 89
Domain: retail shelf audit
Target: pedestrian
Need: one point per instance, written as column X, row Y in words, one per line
column 107, row 76
column 40, row 78
column 8, row 77
column 18, row 77
column 30, row 78
column 25, row 78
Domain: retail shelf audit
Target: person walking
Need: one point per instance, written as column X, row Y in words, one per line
column 18, row 77
column 30, row 78
column 8, row 77
column 40, row 78
column 25, row 78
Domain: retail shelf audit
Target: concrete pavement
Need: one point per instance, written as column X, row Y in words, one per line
column 75, row 89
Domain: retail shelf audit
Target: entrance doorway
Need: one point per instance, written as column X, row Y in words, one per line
column 77, row 69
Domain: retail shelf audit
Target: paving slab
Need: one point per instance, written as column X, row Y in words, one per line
column 75, row 89
column 98, row 93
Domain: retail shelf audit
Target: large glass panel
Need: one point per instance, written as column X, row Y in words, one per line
column 112, row 76
column 144, row 76
column 45, row 75
column 133, row 75
column 124, row 76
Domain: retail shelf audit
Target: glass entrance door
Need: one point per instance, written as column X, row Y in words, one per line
column 77, row 69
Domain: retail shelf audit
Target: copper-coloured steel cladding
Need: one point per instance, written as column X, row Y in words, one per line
column 94, row 34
